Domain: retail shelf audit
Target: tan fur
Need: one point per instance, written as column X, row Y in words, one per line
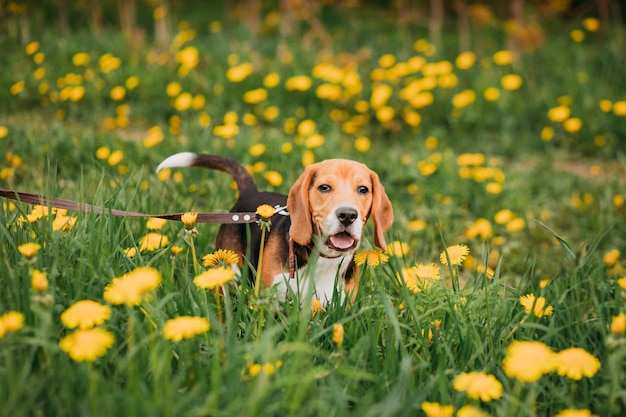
column 308, row 207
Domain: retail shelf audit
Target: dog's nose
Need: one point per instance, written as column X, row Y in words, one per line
column 346, row 215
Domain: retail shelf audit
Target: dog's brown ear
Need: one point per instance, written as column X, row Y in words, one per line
column 301, row 229
column 381, row 212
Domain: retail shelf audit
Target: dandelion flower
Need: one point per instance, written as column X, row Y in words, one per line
column 528, row 360
column 214, row 277
column 427, row 271
column 338, row 334
column 39, row 280
column 185, row 327
column 478, row 385
column 220, row 258
column 432, row 409
column 576, row 363
column 618, row 324
column 265, row 211
column 133, row 287
column 29, row 250
column 298, row 83
column 456, row 253
column 316, row 307
column 189, row 219
column 535, row 305
column 85, row 314
column 153, row 241
column 372, row 258
column 610, row 258
column 559, row 113
column 87, row 344
column 398, row 249
column 154, row 223
column 11, row 322
column 511, row 82
column 471, row 411
column 570, row 412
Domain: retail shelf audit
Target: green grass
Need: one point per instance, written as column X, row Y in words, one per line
column 400, row 348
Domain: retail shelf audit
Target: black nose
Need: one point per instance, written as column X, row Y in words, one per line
column 346, row 215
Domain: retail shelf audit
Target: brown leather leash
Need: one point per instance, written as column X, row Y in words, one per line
column 60, row 203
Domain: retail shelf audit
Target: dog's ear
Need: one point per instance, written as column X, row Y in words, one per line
column 301, row 229
column 381, row 212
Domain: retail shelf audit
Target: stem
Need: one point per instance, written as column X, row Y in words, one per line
column 218, row 305
column 193, row 254
column 257, row 281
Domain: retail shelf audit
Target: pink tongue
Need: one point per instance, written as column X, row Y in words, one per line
column 342, row 241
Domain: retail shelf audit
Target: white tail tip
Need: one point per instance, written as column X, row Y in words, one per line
column 182, row 159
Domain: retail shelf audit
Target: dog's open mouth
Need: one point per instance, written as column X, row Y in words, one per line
column 341, row 241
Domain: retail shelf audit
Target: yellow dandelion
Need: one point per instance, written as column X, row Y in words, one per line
column 274, row 178
column 152, row 241
column 427, row 271
column 619, row 108
column 271, row 80
column 189, row 219
column 155, row 223
column 4, row 131
column 576, row 363
column 87, row 344
column 29, row 250
column 362, row 144
column 255, row 96
column 503, row 216
column 559, row 114
column 491, row 94
column 456, row 254
column 220, row 258
column 133, row 287
column 338, row 334
column 528, row 360
column 432, row 409
column 570, row 412
column 371, row 257
column 471, row 411
column 183, row 102
column 239, row 72
column 214, row 278
column 503, row 57
column 316, row 307
column 118, row 93
column 11, row 322
column 298, row 83
column 516, row 224
column 478, row 385
column 185, row 327
column 115, row 157
column 265, row 211
column 398, row 249
column 85, row 314
column 572, row 125
column 535, row 305
column 511, row 82
column 610, row 258
column 618, row 324
column 39, row 280
column 465, row 60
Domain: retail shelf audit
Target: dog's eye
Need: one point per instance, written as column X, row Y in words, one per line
column 324, row 188
column 363, row 190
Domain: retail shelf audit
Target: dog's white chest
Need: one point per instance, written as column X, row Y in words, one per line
column 318, row 279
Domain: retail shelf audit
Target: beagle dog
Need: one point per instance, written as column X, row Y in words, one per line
column 327, row 206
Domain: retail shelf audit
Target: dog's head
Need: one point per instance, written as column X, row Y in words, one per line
column 330, row 203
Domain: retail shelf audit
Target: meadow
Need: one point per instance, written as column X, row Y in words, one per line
column 501, row 293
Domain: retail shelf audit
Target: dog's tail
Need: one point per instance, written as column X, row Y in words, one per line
column 245, row 182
